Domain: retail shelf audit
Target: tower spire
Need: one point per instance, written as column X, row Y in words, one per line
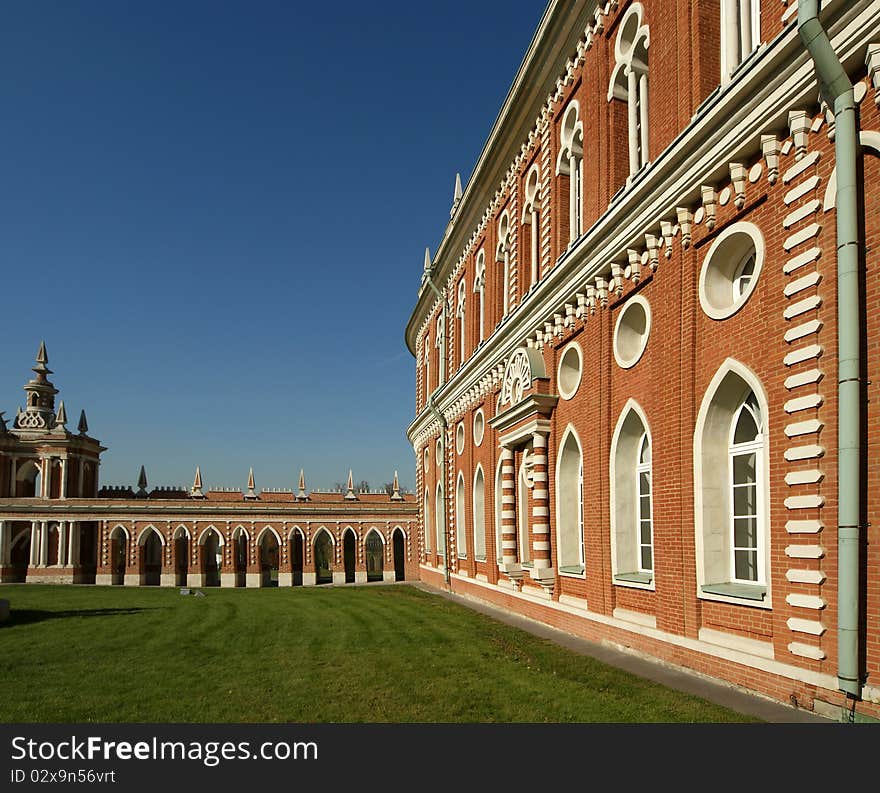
column 39, row 412
column 301, row 494
column 61, row 418
column 395, row 489
column 250, row 491
column 196, row 491
column 83, row 426
column 456, row 196
column 350, row 495
column 142, row 484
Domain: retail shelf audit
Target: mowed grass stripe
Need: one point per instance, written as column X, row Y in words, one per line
column 343, row 654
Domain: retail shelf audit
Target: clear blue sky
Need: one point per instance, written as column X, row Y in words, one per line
column 215, row 214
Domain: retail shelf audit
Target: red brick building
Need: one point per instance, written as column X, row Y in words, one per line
column 56, row 526
column 638, row 416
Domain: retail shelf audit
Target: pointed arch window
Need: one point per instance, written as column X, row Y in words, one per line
column 479, row 515
column 570, row 162
column 427, row 519
column 629, row 83
column 460, row 528
column 570, row 506
column 732, row 493
column 480, row 291
column 438, row 343
column 460, row 317
column 632, row 512
column 531, row 218
column 440, row 522
column 740, row 33
column 502, row 255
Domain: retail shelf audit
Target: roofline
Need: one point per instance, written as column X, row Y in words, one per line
column 558, row 32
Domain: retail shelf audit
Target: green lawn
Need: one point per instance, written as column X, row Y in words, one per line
column 353, row 654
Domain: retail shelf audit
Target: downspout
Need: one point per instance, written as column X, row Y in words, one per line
column 837, row 88
column 443, row 425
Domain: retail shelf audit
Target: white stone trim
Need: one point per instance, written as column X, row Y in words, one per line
column 807, row 257
column 802, row 189
column 807, row 402
column 804, row 452
column 800, row 237
column 810, row 526
column 811, row 627
column 799, row 167
column 809, row 477
column 735, row 642
column 806, row 651
column 802, row 283
column 804, row 551
column 805, row 329
column 797, row 576
column 805, row 601
column 636, row 617
column 802, row 307
column 803, row 378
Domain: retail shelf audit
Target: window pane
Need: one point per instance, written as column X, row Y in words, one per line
column 647, row 561
column 746, row 429
column 744, row 500
column 744, row 468
column 746, row 565
column 644, row 482
column 745, row 532
column 645, row 532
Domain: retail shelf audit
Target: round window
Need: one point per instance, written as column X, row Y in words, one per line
column 439, row 452
column 631, row 332
column 479, row 427
column 730, row 270
column 568, row 377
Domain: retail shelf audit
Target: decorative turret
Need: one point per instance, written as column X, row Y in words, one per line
column 251, row 493
column 350, row 495
column 301, row 493
column 196, row 490
column 39, row 412
column 83, row 426
column 61, row 419
column 395, row 489
column 142, row 484
column 456, row 196
column 426, row 274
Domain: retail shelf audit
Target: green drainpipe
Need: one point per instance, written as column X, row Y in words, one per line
column 429, row 271
column 837, row 88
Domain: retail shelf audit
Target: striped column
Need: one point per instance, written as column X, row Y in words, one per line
column 541, row 567
column 508, row 513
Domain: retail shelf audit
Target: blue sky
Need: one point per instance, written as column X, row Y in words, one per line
column 215, row 214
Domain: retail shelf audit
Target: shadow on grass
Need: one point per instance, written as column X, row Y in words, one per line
column 31, row 616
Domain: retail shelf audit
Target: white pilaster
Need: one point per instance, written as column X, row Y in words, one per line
column 44, row 543
column 62, row 543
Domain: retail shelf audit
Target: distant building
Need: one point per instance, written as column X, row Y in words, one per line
column 57, row 526
column 648, row 381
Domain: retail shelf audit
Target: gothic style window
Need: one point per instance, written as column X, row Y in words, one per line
column 499, row 552
column 427, row 519
column 570, row 505
column 427, row 367
column 732, row 504
column 460, row 316
column 438, row 343
column 629, row 83
column 632, row 517
column 530, row 218
column 480, row 290
column 522, row 514
column 502, row 254
column 745, row 448
column 440, row 522
column 740, row 33
column 479, row 515
column 460, row 530
column 571, row 163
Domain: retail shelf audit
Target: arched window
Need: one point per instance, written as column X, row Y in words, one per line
column 427, row 519
column 441, row 355
column 480, row 291
column 530, row 218
column 427, row 367
column 499, row 550
column 629, row 83
column 460, row 528
column 479, row 515
column 440, row 522
column 502, row 254
column 570, row 505
column 460, row 316
column 522, row 514
column 732, row 492
column 740, row 33
column 571, row 163
column 632, row 516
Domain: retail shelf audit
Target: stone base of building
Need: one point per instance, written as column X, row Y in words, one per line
column 253, row 580
column 228, row 580
column 388, row 575
column 195, row 580
column 360, row 576
column 310, row 579
column 103, row 579
column 285, row 579
column 50, row 575
column 167, row 579
column 338, row 577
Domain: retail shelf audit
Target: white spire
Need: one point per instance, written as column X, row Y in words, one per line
column 456, row 196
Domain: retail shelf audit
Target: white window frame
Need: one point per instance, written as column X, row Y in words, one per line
column 479, row 516
column 531, row 217
column 644, row 468
column 502, row 254
column 570, row 162
column 460, row 529
column 480, row 289
column 740, row 34
column 734, row 450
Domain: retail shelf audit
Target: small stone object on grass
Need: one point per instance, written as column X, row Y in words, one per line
column 199, row 594
column 184, row 592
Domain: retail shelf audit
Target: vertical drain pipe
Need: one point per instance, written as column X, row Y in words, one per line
column 837, row 88
column 429, row 272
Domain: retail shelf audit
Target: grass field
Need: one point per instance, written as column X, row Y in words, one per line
column 353, row 654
